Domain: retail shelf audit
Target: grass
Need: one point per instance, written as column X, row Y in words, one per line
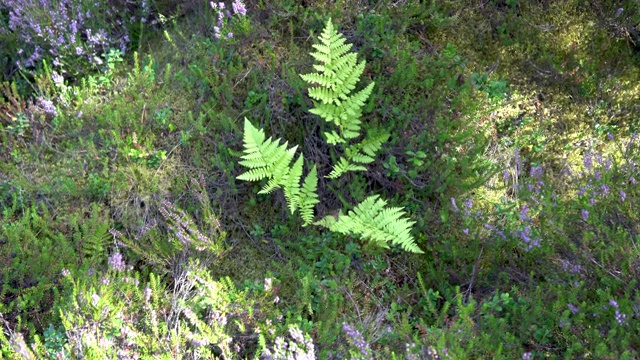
column 513, row 146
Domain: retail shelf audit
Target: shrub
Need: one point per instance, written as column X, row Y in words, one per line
column 72, row 34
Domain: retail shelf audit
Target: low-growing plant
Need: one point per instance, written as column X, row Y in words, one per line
column 72, row 34
column 338, row 72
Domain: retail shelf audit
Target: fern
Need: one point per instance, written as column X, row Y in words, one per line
column 337, row 73
column 342, row 167
column 93, row 235
column 308, row 197
column 372, row 221
column 267, row 158
column 359, row 154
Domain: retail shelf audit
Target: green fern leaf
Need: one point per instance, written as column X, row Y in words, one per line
column 291, row 184
column 279, row 170
column 308, row 197
column 336, row 79
column 373, row 143
column 265, row 158
column 373, row 222
column 342, row 167
column 333, row 138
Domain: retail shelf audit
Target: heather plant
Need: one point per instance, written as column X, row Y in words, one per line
column 223, row 29
column 361, row 349
column 185, row 237
column 72, row 34
column 300, row 346
column 538, row 262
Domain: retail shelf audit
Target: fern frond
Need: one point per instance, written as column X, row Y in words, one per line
column 372, row 221
column 373, row 143
column 254, row 174
column 342, row 167
column 308, row 197
column 349, row 74
column 265, row 158
column 279, row 170
column 291, row 184
column 337, row 74
column 334, row 138
column 361, row 158
column 324, row 80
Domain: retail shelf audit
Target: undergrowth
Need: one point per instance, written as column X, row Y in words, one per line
column 513, row 145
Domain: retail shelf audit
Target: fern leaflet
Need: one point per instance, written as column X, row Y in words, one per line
column 267, row 158
column 372, row 221
column 308, row 197
column 336, row 78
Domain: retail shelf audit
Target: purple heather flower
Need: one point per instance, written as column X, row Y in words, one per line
column 468, row 204
column 500, row 233
column 527, row 356
column 229, row 35
column 453, row 203
column 356, row 339
column 585, row 214
column 620, row 317
column 632, row 180
column 48, row 107
column 65, row 272
column 466, row 231
column 619, row 12
column 573, row 308
column 582, row 191
column 523, row 213
column 239, row 8
column 610, row 136
column 587, row 160
column 116, row 262
column 536, row 172
column 623, row 195
column 613, row 303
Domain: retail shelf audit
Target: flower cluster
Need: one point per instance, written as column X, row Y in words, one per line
column 223, row 14
column 300, row 347
column 620, row 317
column 184, row 229
column 357, row 340
column 116, row 262
column 69, row 32
column 522, row 227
